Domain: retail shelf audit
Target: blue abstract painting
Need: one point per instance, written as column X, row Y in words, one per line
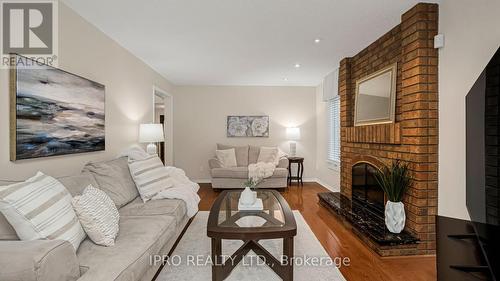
column 56, row 112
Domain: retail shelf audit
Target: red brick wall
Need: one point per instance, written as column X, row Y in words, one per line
column 413, row 136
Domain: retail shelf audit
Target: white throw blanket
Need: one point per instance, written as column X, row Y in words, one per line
column 260, row 170
column 181, row 188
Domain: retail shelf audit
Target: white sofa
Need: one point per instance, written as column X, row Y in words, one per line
column 229, row 178
column 146, row 229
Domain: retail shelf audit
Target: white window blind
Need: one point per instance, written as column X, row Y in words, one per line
column 331, row 85
column 334, row 130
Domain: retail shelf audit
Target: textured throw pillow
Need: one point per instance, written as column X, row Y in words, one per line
column 226, row 157
column 268, row 154
column 150, row 176
column 40, row 208
column 98, row 215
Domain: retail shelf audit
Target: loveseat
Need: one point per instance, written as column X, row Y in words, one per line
column 146, row 229
column 226, row 178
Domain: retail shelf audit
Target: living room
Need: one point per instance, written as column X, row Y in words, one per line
column 244, row 140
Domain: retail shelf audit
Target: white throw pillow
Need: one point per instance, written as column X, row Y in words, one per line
column 226, row 157
column 150, row 176
column 268, row 155
column 98, row 215
column 281, row 154
column 40, row 208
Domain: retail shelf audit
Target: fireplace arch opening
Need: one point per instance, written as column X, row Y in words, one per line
column 365, row 189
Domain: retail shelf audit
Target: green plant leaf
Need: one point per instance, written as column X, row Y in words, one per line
column 394, row 180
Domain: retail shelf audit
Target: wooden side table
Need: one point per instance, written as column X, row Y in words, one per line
column 300, row 170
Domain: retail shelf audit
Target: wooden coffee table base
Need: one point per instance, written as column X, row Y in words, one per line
column 221, row 271
column 279, row 224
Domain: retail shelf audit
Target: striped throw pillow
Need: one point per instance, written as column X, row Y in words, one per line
column 40, row 208
column 98, row 215
column 150, row 176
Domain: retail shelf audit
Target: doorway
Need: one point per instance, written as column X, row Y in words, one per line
column 163, row 114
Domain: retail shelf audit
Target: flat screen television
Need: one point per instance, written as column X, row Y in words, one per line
column 483, row 162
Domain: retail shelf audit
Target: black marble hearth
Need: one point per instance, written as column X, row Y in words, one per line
column 364, row 220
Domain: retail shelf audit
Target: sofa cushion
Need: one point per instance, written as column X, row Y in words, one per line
column 237, row 172
column 242, row 173
column 226, row 157
column 173, row 207
column 114, row 178
column 268, row 155
column 139, row 238
column 76, row 184
column 240, row 151
column 253, row 154
column 150, row 176
column 40, row 208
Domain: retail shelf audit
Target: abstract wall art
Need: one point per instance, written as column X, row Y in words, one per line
column 53, row 112
column 248, row 126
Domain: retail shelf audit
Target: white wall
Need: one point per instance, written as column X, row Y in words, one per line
column 85, row 51
column 200, row 122
column 326, row 176
column 472, row 36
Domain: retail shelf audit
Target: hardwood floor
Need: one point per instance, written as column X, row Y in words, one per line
column 341, row 242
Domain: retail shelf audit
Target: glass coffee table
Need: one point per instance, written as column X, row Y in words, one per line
column 275, row 221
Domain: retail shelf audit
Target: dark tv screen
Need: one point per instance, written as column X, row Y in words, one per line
column 483, row 161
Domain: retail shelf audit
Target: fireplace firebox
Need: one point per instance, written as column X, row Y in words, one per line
column 366, row 191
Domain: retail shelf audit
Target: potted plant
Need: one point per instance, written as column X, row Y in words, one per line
column 394, row 180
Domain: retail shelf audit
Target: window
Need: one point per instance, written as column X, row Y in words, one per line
column 334, row 131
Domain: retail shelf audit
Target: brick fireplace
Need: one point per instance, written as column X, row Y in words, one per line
column 412, row 138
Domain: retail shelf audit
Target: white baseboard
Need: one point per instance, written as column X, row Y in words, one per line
column 327, row 186
column 202, row 180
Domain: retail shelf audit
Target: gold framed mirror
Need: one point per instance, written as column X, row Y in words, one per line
column 375, row 100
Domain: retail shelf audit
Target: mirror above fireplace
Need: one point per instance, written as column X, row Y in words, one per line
column 376, row 97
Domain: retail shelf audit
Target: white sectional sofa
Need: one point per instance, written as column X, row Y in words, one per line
column 146, row 229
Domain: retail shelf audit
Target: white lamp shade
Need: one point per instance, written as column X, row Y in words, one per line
column 293, row 133
column 151, row 133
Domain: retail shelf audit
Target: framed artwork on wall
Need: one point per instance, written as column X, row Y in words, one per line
column 54, row 112
column 248, row 126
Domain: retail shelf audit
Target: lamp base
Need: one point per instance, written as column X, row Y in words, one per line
column 151, row 149
column 293, row 148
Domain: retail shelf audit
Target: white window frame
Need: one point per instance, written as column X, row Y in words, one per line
column 333, row 142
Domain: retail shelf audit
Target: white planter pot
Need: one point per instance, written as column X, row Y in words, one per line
column 395, row 217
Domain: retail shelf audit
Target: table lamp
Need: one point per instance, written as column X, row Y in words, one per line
column 293, row 135
column 151, row 133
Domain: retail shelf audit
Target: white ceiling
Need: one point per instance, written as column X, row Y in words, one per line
column 243, row 42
